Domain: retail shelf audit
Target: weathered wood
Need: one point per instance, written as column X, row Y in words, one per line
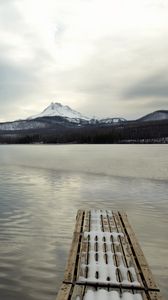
column 155, row 296
column 86, row 224
column 64, row 292
column 115, row 248
column 83, row 256
column 126, row 249
column 78, row 292
column 138, row 254
column 105, row 223
column 127, row 253
column 135, row 292
column 79, row 221
column 72, row 263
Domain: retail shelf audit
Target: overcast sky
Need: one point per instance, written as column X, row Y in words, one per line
column 100, row 57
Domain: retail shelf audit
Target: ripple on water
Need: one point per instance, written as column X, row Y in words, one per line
column 38, row 207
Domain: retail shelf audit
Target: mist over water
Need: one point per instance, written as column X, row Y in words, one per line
column 41, row 188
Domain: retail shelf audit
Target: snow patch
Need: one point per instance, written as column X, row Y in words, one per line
column 102, row 256
column 112, row 120
column 103, row 294
column 104, row 271
column 57, row 109
column 21, row 125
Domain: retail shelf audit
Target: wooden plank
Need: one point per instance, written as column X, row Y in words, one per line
column 116, row 247
column 135, row 292
column 79, row 221
column 68, row 292
column 69, row 275
column 126, row 249
column 71, row 267
column 84, row 252
column 110, row 221
column 86, row 224
column 64, row 292
column 155, row 296
column 104, row 221
column 78, row 292
column 132, row 256
column 138, row 254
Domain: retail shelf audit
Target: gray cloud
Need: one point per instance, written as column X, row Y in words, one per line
column 152, row 86
column 10, row 18
column 98, row 67
column 15, row 82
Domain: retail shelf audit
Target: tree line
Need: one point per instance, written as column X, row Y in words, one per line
column 131, row 132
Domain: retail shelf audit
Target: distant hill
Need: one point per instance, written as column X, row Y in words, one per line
column 61, row 124
column 155, row 116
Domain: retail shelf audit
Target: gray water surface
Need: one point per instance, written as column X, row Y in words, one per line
column 41, row 188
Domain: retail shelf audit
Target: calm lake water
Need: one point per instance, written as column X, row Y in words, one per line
column 41, row 188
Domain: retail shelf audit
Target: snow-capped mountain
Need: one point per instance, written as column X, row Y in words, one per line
column 59, row 110
column 59, row 116
column 155, row 116
column 55, row 115
column 60, row 124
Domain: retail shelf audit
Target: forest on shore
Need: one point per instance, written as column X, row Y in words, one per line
column 131, row 132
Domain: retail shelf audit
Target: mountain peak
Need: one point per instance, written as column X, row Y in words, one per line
column 57, row 109
column 53, row 106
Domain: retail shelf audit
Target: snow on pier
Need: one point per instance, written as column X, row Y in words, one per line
column 106, row 261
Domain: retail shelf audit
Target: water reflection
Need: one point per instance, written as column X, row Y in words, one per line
column 37, row 215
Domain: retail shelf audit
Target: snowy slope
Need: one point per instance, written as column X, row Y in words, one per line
column 155, row 116
column 57, row 114
column 57, row 109
column 112, row 120
column 22, row 125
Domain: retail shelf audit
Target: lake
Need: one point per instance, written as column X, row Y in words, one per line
column 41, row 189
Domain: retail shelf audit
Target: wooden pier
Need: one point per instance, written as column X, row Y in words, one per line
column 106, row 261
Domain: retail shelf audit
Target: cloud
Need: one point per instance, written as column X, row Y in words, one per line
column 154, row 86
column 96, row 56
column 14, row 81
